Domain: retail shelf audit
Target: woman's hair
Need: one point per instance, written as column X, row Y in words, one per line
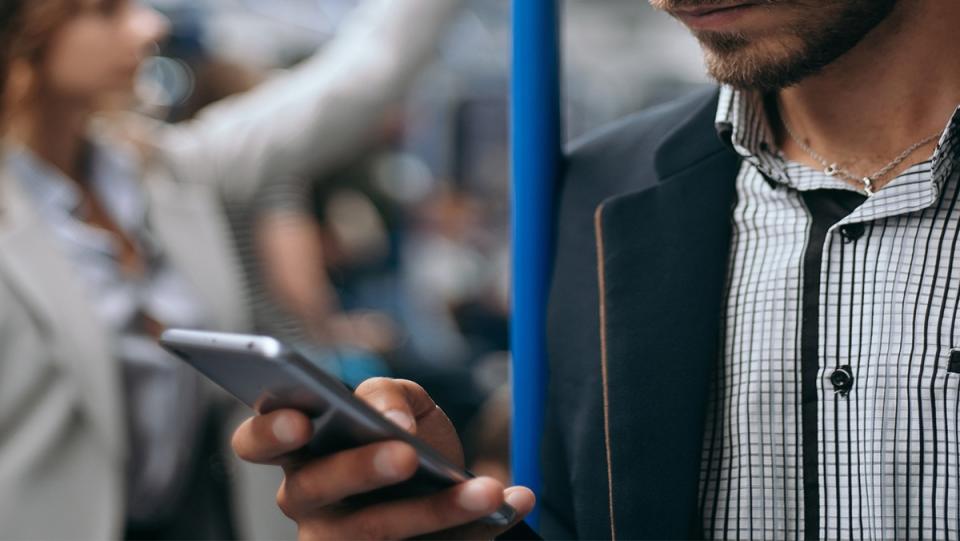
column 9, row 9
column 26, row 28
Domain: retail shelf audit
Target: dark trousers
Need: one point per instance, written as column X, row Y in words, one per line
column 204, row 510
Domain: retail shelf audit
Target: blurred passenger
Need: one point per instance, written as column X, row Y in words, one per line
column 112, row 228
column 291, row 251
column 340, row 273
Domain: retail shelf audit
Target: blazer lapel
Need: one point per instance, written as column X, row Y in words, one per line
column 33, row 265
column 662, row 257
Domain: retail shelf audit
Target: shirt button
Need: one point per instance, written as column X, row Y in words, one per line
column 842, row 380
column 852, row 232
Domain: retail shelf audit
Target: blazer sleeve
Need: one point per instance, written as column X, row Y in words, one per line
column 296, row 125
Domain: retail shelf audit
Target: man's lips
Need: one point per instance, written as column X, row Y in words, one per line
column 712, row 17
column 706, row 10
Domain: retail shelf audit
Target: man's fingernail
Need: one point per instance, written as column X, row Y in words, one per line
column 401, row 419
column 385, row 464
column 284, row 430
column 473, row 497
column 514, row 498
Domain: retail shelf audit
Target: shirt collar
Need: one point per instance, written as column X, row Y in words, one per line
column 742, row 120
column 114, row 170
column 742, row 115
column 43, row 183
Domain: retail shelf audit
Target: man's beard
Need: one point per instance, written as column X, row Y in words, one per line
column 823, row 31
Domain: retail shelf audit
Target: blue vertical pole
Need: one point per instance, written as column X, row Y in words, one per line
column 535, row 146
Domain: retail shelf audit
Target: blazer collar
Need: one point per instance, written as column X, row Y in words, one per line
column 695, row 138
column 662, row 255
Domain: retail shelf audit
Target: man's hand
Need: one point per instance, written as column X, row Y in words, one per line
column 312, row 492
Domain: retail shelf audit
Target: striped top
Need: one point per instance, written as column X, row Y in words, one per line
column 835, row 408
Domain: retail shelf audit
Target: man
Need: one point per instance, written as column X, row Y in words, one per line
column 774, row 353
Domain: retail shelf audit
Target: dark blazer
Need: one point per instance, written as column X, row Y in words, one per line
column 642, row 242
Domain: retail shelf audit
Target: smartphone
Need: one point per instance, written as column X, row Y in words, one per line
column 268, row 375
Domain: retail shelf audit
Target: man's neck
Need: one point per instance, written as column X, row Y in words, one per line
column 899, row 85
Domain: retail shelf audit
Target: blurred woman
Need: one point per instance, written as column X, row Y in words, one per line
column 112, row 229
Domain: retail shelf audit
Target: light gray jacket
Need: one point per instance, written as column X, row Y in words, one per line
column 62, row 434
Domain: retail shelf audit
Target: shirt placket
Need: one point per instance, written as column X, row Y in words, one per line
column 845, row 320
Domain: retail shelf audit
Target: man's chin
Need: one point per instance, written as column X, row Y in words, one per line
column 780, row 55
column 736, row 61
